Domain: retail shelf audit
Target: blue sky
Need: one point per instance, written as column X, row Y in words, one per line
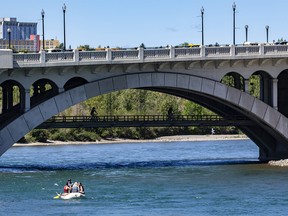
column 128, row 23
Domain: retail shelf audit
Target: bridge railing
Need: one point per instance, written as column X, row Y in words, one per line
column 124, row 118
column 143, row 121
column 151, row 54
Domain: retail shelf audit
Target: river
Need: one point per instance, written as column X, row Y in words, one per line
column 165, row 178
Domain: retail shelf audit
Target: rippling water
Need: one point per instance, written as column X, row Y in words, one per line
column 173, row 178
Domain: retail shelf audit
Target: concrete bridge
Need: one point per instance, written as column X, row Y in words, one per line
column 48, row 83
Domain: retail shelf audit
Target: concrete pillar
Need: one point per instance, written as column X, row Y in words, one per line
column 26, row 98
column 141, row 53
column 246, row 85
column 172, row 52
column 76, row 55
column 232, row 50
column 261, row 49
column 108, row 54
column 275, row 93
column 42, row 56
column 202, row 51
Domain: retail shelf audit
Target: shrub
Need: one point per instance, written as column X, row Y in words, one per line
column 40, row 135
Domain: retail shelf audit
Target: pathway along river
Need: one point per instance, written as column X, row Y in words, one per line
column 167, row 178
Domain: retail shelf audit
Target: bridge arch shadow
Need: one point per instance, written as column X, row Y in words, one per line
column 269, row 131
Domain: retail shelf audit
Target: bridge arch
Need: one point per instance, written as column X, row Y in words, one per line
column 41, row 90
column 235, row 80
column 269, row 132
column 262, row 81
column 282, row 80
column 12, row 96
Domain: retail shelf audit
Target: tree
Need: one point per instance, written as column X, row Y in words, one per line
column 61, row 46
column 85, row 48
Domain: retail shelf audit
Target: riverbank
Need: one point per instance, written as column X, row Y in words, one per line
column 189, row 138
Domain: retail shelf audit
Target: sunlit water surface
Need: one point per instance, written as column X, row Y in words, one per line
column 172, row 178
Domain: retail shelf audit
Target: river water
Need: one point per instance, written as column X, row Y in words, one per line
column 167, row 178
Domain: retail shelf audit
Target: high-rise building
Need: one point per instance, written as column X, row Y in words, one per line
column 19, row 30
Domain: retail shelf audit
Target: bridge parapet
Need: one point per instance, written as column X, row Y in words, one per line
column 6, row 59
column 141, row 55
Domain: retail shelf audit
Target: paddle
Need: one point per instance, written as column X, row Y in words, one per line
column 58, row 196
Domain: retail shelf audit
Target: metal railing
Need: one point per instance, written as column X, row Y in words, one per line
column 142, row 121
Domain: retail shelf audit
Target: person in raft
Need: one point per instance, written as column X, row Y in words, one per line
column 67, row 188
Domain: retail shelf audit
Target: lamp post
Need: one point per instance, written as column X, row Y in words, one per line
column 246, row 31
column 43, row 38
column 64, row 11
column 202, row 17
column 267, row 33
column 234, row 9
column 9, row 38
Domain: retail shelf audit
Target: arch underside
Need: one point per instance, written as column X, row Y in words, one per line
column 265, row 141
column 269, row 129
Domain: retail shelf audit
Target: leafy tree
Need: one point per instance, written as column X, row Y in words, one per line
column 85, row 48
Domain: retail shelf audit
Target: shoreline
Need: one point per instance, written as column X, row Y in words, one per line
column 178, row 138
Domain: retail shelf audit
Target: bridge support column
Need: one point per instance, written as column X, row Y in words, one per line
column 26, row 100
column 275, row 93
column 246, row 85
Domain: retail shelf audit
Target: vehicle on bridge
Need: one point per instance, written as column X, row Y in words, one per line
column 187, row 45
column 52, row 50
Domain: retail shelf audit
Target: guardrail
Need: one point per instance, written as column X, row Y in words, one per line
column 142, row 55
column 142, row 121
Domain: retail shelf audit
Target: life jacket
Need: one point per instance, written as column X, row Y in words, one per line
column 66, row 189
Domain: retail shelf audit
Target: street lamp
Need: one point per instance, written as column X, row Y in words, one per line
column 9, row 38
column 43, row 44
column 202, row 17
column 267, row 33
column 64, row 11
column 234, row 9
column 246, row 30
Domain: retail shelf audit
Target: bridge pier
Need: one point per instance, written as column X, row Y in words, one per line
column 275, row 93
column 246, row 85
column 25, row 105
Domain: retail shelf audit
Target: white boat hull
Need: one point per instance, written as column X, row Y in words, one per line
column 71, row 195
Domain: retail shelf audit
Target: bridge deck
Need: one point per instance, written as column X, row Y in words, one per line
column 142, row 121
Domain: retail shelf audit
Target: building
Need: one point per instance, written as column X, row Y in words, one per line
column 19, row 30
column 49, row 44
column 19, row 45
column 23, row 36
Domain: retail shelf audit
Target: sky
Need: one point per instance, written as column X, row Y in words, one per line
column 128, row 23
